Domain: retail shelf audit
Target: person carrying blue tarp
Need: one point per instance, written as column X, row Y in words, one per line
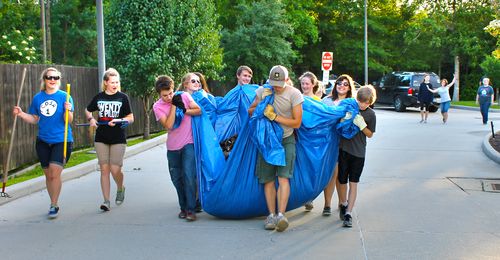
column 283, row 107
column 180, row 144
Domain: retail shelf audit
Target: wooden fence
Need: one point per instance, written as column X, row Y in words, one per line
column 84, row 86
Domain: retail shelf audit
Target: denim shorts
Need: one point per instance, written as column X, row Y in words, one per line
column 445, row 106
column 52, row 153
column 267, row 172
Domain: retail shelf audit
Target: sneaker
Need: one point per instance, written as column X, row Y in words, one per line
column 120, row 196
column 53, row 211
column 198, row 208
column 421, row 121
column 191, row 216
column 347, row 220
column 342, row 210
column 309, row 206
column 182, row 214
column 270, row 223
column 425, row 121
column 106, row 205
column 327, row 211
column 282, row 223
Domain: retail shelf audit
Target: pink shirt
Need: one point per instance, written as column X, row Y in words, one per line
column 182, row 135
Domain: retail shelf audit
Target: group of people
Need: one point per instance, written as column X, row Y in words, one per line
column 484, row 97
column 47, row 110
column 174, row 110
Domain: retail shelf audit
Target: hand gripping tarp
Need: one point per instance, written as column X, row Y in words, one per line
column 231, row 189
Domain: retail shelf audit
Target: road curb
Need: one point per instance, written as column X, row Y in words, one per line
column 22, row 189
column 489, row 151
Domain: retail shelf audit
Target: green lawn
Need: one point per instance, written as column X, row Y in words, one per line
column 77, row 157
column 471, row 104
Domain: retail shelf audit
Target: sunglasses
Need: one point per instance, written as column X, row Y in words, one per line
column 195, row 81
column 52, row 77
column 345, row 84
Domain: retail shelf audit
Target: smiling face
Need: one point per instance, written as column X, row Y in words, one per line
column 192, row 83
column 307, row 86
column 52, row 80
column 244, row 78
column 342, row 87
column 112, row 85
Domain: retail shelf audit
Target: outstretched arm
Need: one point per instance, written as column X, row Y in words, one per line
column 452, row 82
column 28, row 118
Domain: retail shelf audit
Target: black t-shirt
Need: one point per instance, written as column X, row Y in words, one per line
column 424, row 95
column 357, row 145
column 110, row 107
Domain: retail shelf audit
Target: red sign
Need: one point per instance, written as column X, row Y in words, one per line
column 327, row 61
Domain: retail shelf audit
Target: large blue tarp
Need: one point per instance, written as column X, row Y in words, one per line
column 230, row 189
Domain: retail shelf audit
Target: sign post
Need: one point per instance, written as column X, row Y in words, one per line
column 326, row 65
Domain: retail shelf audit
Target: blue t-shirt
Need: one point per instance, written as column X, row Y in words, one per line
column 50, row 111
column 484, row 93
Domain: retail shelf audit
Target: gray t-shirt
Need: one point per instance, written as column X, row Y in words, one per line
column 357, row 145
column 283, row 104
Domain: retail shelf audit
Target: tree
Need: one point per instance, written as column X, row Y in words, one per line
column 258, row 40
column 145, row 39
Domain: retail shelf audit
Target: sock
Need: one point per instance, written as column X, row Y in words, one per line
column 280, row 214
column 348, row 213
column 344, row 204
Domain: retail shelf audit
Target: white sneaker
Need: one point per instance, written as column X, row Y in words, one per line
column 270, row 222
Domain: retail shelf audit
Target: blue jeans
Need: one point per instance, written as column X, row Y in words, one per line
column 484, row 111
column 181, row 164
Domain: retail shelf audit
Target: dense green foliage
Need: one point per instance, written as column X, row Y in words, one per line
column 173, row 37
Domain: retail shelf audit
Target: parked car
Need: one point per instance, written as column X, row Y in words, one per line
column 400, row 89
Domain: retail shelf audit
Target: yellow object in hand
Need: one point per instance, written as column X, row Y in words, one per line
column 269, row 113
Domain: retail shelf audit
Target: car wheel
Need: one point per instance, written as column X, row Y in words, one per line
column 398, row 104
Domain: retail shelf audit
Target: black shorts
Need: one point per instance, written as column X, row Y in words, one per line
column 424, row 106
column 350, row 167
column 51, row 153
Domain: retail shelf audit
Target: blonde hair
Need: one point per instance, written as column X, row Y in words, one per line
column 42, row 78
column 108, row 74
column 366, row 93
column 313, row 78
column 185, row 79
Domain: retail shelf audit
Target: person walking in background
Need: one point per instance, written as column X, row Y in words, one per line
column 485, row 98
column 444, row 94
column 425, row 98
column 288, row 106
column 353, row 151
column 48, row 109
column 113, row 114
column 180, row 143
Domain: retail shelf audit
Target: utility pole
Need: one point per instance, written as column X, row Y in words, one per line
column 44, row 36
column 49, row 34
column 456, row 87
column 366, row 42
column 101, row 59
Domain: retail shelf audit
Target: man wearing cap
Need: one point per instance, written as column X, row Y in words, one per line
column 287, row 112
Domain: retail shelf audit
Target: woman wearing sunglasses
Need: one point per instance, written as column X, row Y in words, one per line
column 344, row 88
column 48, row 109
column 113, row 114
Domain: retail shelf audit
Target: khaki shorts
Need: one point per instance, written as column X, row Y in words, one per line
column 267, row 172
column 110, row 153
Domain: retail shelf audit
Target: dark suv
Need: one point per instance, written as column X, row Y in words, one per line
column 400, row 89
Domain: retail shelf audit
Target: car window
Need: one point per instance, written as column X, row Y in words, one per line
column 404, row 80
column 417, row 80
column 389, row 80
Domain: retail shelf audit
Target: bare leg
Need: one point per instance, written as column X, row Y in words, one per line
column 105, row 181
column 270, row 192
column 284, row 193
column 445, row 117
column 353, row 193
column 342, row 191
column 421, row 116
column 53, row 182
column 330, row 188
column 117, row 173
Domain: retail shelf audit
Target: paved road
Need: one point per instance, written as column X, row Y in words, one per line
column 419, row 199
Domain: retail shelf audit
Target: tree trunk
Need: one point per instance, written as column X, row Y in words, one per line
column 456, row 93
column 44, row 31
column 49, row 35
column 147, row 112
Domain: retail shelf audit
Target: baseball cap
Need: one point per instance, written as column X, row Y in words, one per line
column 278, row 76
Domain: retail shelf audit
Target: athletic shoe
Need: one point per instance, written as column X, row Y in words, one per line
column 282, row 223
column 120, row 196
column 182, row 214
column 327, row 211
column 191, row 216
column 106, row 205
column 53, row 211
column 198, row 208
column 309, row 206
column 270, row 222
column 347, row 220
column 342, row 210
